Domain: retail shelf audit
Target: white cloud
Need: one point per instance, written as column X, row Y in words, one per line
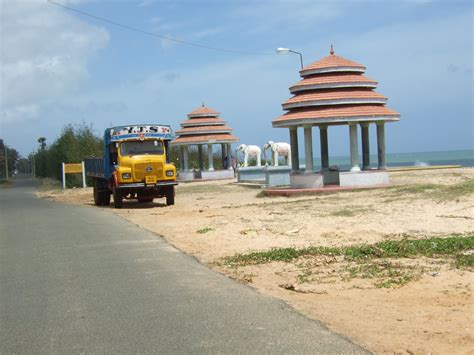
column 27, row 112
column 44, row 55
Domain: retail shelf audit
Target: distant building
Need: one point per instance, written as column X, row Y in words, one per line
column 204, row 127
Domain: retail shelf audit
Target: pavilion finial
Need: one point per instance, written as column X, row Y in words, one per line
column 203, row 104
column 332, row 50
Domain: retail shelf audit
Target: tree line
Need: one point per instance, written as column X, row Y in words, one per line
column 9, row 157
column 73, row 145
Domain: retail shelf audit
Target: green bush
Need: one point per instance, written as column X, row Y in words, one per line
column 75, row 143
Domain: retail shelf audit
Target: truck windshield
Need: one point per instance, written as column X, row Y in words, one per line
column 141, row 147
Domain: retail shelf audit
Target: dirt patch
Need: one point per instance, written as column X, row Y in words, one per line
column 431, row 312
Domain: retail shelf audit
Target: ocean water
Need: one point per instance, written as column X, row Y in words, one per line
column 455, row 157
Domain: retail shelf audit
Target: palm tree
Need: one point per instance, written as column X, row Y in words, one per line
column 42, row 143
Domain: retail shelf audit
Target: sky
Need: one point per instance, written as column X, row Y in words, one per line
column 58, row 66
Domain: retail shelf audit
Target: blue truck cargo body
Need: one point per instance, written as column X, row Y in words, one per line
column 95, row 167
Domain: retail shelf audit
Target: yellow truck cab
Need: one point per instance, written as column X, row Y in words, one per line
column 136, row 165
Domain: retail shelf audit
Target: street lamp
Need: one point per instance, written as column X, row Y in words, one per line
column 282, row 50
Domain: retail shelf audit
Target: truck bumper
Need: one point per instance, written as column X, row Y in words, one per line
column 141, row 185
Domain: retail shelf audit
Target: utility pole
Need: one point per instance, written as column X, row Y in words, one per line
column 33, row 165
column 6, row 163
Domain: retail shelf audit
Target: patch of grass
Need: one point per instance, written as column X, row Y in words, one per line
column 462, row 261
column 383, row 273
column 404, row 248
column 387, row 274
column 204, row 230
column 437, row 191
column 304, row 276
column 261, row 194
column 345, row 212
column 415, row 189
column 395, row 281
column 366, row 271
column 349, row 212
column 457, row 190
column 49, row 184
column 5, row 183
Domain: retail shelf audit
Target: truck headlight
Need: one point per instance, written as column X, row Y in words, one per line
column 169, row 173
column 126, row 175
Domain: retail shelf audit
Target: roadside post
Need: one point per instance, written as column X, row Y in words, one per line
column 6, row 163
column 75, row 168
column 33, row 165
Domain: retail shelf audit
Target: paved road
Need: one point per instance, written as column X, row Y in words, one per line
column 81, row 280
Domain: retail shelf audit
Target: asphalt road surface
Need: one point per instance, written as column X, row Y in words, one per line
column 81, row 280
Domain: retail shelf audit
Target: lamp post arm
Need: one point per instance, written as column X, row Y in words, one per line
column 301, row 57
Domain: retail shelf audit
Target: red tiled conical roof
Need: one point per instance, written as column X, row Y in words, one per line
column 334, row 91
column 203, row 111
column 331, row 97
column 204, row 126
column 332, row 80
column 335, row 114
column 332, row 63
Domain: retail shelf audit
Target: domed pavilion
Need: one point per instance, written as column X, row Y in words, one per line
column 333, row 91
column 204, row 127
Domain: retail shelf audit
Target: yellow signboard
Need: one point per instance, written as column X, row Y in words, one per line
column 73, row 168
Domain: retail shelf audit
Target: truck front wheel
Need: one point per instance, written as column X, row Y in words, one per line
column 118, row 198
column 105, row 198
column 169, row 193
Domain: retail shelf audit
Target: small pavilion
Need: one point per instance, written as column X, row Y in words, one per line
column 333, row 91
column 204, row 127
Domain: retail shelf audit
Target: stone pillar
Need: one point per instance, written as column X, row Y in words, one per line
column 365, row 145
column 201, row 162
column 354, row 147
column 181, row 158
column 185, row 158
column 381, row 145
column 223, row 155
column 295, row 163
column 308, row 148
column 323, row 139
column 229, row 155
column 210, row 158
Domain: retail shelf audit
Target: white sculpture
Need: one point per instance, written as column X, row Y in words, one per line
column 250, row 150
column 278, row 149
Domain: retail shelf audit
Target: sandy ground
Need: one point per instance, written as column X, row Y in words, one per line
column 432, row 313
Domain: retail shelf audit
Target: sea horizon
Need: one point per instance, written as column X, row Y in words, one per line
column 463, row 157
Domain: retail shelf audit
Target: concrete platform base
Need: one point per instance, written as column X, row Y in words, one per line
column 186, row 176
column 216, row 174
column 206, row 175
column 306, row 181
column 250, row 173
column 277, row 176
column 364, row 178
